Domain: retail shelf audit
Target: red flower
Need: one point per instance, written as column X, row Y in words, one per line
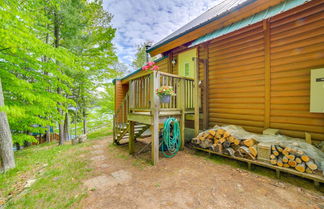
column 145, row 67
column 155, row 67
column 150, row 64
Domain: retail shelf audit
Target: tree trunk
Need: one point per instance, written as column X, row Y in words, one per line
column 48, row 134
column 84, row 122
column 56, row 45
column 7, row 160
column 66, row 127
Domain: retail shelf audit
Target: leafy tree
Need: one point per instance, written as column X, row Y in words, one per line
column 140, row 56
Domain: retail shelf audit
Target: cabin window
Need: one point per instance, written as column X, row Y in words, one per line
column 187, row 69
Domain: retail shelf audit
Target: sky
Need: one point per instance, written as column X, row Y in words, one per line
column 139, row 21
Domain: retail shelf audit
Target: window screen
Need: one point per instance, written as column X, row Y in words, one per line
column 187, row 69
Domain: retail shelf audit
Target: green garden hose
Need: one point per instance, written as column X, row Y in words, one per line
column 171, row 141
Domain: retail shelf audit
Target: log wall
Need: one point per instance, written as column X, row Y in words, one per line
column 259, row 76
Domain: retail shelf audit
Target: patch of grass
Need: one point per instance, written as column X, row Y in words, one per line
column 60, row 183
column 100, row 133
column 285, row 177
column 58, row 170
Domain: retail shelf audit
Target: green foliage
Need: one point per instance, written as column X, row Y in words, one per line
column 59, row 171
column 140, row 56
column 40, row 77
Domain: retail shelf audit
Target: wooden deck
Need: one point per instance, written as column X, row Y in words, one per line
column 141, row 105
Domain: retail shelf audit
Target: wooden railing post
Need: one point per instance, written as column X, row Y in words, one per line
column 182, row 105
column 196, row 99
column 155, row 105
column 131, row 95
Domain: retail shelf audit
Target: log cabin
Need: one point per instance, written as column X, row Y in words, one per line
column 242, row 62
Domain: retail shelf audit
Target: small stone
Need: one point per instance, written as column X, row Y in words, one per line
column 30, row 182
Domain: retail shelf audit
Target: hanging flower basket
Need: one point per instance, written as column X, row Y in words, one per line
column 165, row 93
column 165, row 98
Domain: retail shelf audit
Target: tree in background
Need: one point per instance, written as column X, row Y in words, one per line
column 7, row 160
column 140, row 56
column 53, row 55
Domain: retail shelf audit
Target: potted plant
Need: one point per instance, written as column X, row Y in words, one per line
column 165, row 93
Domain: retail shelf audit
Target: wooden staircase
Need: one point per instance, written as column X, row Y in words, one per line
column 121, row 124
column 122, row 132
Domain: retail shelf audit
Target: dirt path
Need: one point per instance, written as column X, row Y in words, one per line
column 186, row 181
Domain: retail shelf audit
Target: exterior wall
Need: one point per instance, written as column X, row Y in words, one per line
column 163, row 65
column 259, row 76
column 120, row 93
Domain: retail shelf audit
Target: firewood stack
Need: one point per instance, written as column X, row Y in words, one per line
column 291, row 158
column 222, row 141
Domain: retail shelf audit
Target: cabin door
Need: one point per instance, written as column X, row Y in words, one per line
column 186, row 64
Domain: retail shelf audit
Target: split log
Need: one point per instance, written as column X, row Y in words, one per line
column 298, row 160
column 226, row 144
column 285, row 159
column 230, row 151
column 290, row 157
column 235, row 147
column 231, row 139
column 222, row 140
column 221, row 131
column 238, row 154
column 274, row 151
column 279, row 148
column 286, row 151
column 305, row 158
column 249, row 142
column 236, row 141
column 279, row 162
column 245, row 151
column 212, row 132
column 286, row 165
column 226, row 134
column 311, row 165
column 273, row 161
column 301, row 167
column 292, row 163
column 218, row 148
column 308, row 170
column 273, row 156
column 253, row 151
column 217, row 136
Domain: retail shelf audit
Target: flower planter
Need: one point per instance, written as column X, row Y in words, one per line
column 165, row 98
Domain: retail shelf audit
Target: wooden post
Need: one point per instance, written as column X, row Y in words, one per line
column 155, row 106
column 131, row 143
column 114, row 127
column 195, row 97
column 131, row 95
column 182, row 105
column 267, row 73
column 308, row 138
column 205, row 96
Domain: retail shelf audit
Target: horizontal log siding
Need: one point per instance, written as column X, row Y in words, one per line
column 237, row 75
column 236, row 79
column 297, row 46
column 163, row 65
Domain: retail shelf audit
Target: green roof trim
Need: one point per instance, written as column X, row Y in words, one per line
column 265, row 14
column 136, row 71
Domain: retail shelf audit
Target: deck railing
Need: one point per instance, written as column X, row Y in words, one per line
column 141, row 91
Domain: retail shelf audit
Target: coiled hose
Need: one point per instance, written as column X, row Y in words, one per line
column 171, row 138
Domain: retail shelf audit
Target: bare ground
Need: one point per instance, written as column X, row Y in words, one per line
column 185, row 181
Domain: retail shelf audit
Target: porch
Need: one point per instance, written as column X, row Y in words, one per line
column 141, row 108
